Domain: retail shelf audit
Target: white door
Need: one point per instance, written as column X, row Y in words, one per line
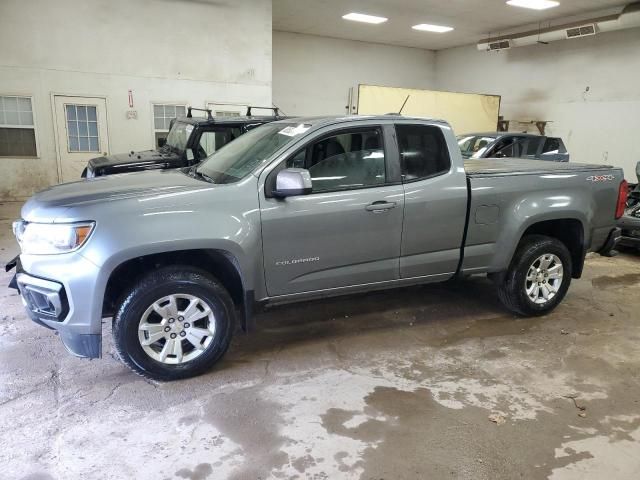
column 81, row 133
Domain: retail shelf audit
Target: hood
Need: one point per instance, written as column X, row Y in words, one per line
column 54, row 202
column 132, row 157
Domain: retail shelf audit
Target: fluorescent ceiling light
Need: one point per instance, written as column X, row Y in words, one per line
column 361, row 17
column 425, row 27
column 534, row 4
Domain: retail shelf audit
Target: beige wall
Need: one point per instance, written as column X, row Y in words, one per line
column 549, row 82
column 465, row 112
column 163, row 50
column 312, row 75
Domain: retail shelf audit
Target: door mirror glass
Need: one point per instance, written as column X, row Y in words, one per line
column 292, row 181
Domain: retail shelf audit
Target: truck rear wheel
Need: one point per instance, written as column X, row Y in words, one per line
column 176, row 322
column 538, row 277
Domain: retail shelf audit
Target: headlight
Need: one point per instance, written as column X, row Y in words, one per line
column 51, row 238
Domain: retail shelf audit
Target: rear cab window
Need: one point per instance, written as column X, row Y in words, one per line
column 423, row 152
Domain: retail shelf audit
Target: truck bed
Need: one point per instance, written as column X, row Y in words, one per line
column 519, row 166
column 507, row 195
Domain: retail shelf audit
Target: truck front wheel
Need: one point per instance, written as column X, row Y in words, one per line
column 174, row 323
column 538, row 278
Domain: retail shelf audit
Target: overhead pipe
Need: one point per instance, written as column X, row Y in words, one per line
column 629, row 17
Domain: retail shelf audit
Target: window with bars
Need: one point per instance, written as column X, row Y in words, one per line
column 17, row 130
column 82, row 128
column 162, row 116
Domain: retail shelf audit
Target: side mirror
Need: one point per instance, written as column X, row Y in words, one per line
column 292, row 181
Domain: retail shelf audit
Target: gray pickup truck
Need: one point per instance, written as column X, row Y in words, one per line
column 294, row 210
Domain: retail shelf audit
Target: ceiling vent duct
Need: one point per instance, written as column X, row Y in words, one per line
column 582, row 31
column 629, row 17
column 501, row 45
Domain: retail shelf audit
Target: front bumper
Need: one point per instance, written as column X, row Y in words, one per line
column 59, row 294
column 43, row 299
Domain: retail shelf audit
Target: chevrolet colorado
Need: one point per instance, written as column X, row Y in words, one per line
column 293, row 210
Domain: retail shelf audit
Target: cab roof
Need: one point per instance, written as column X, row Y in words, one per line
column 334, row 119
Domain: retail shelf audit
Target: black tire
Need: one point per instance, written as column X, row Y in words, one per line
column 511, row 285
column 172, row 280
column 84, row 173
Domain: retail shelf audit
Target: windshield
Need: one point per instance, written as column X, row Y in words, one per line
column 178, row 136
column 474, row 145
column 240, row 157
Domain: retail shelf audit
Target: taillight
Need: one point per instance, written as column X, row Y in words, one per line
column 623, row 191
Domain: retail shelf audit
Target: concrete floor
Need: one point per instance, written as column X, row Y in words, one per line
column 394, row 385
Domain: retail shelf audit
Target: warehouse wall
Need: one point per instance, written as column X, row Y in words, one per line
column 312, row 74
column 163, row 50
column 587, row 87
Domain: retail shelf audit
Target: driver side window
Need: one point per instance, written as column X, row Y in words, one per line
column 352, row 159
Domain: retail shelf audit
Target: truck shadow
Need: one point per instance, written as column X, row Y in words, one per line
column 449, row 308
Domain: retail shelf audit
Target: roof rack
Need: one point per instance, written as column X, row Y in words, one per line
column 275, row 110
column 208, row 110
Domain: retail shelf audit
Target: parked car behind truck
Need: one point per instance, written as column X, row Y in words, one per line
column 629, row 223
column 294, row 210
column 512, row 145
column 190, row 140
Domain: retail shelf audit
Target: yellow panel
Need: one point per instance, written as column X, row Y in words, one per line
column 466, row 112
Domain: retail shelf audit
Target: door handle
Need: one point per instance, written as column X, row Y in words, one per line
column 380, row 206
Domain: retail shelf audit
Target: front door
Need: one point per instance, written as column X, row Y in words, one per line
column 81, row 133
column 348, row 230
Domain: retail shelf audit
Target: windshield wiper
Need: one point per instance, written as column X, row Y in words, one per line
column 206, row 177
column 194, row 173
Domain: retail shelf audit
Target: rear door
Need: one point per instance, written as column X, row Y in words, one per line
column 435, row 202
column 348, row 230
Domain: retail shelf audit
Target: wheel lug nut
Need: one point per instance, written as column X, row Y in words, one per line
column 171, row 320
column 186, row 325
column 167, row 329
column 173, row 335
column 182, row 334
column 180, row 319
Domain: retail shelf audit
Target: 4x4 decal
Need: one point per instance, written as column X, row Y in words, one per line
column 601, row 178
